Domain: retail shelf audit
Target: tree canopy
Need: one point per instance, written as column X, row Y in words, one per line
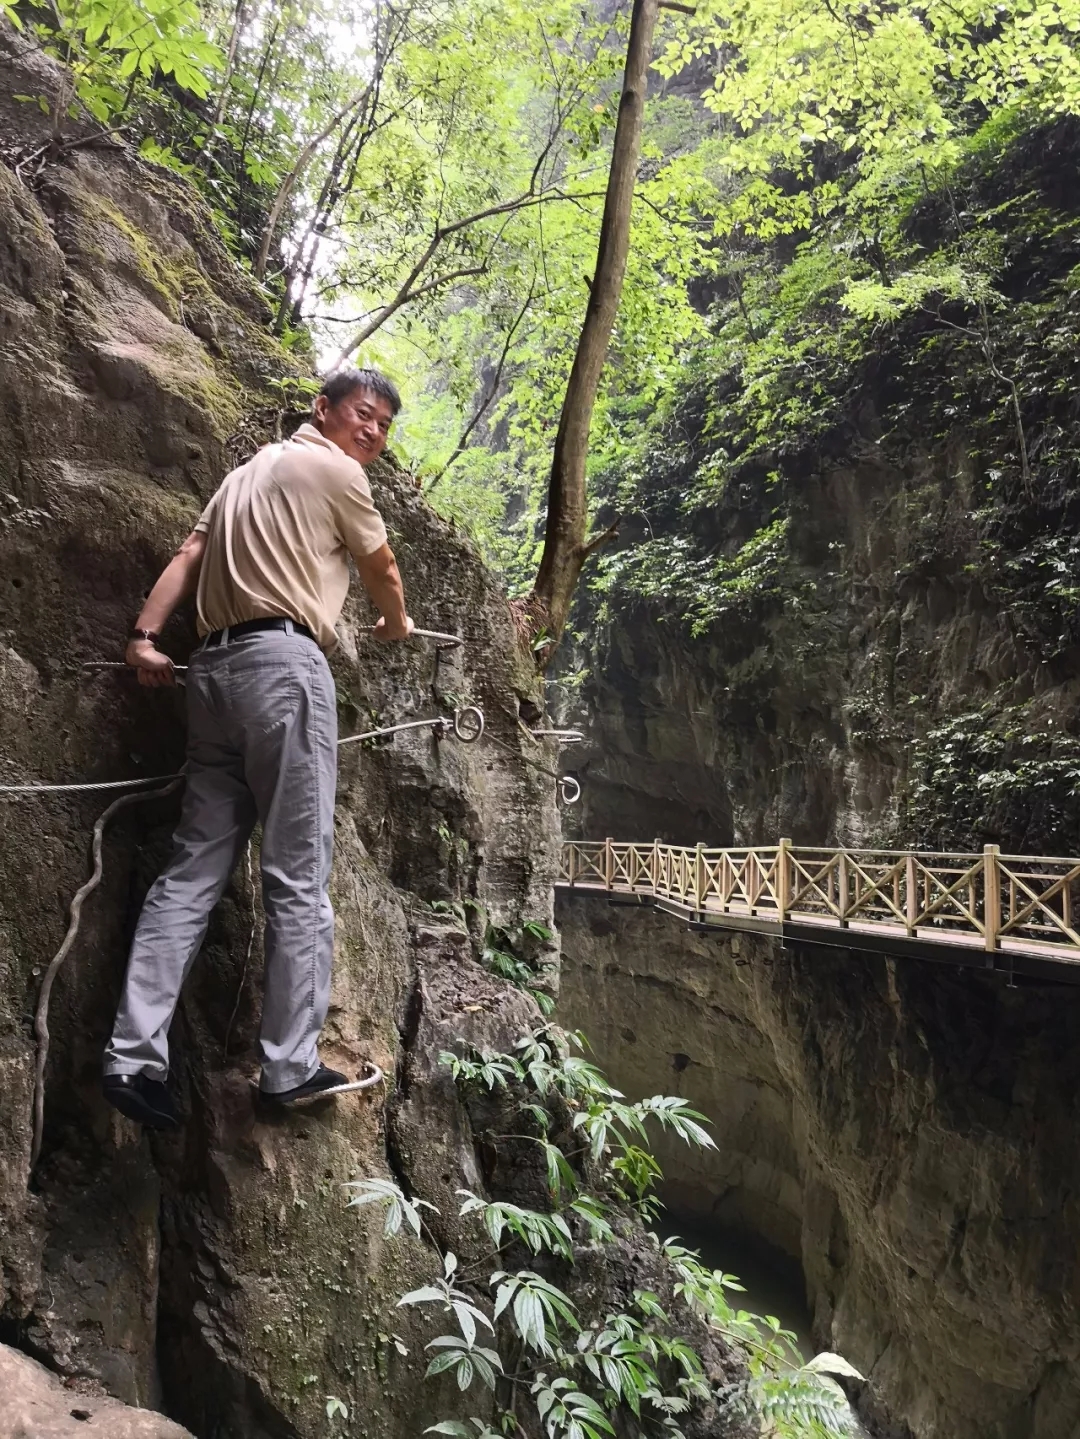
column 420, row 185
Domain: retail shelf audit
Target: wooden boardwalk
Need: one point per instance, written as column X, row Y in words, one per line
column 1013, row 913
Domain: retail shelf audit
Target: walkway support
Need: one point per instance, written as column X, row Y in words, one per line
column 783, row 880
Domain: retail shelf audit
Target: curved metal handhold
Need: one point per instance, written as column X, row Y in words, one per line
column 564, row 736
column 474, row 726
column 373, row 1077
column 443, row 641
column 569, row 789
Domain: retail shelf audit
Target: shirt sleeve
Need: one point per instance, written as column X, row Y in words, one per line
column 358, row 521
column 202, row 525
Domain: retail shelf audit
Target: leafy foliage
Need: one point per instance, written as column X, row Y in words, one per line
column 994, row 773
column 517, row 1331
column 794, row 1399
column 399, row 1210
column 518, row 954
column 112, row 46
column 421, row 185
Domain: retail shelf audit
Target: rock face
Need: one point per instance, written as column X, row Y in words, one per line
column 863, row 705
column 859, row 623
column 217, row 1272
column 38, row 1406
column 862, row 625
column 907, row 1135
column 896, row 663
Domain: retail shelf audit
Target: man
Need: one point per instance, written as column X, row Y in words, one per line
column 268, row 561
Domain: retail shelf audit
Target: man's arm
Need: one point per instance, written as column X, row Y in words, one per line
column 379, row 573
column 177, row 582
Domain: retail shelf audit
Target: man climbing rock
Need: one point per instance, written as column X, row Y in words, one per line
column 268, row 563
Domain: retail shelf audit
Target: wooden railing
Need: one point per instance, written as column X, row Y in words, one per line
column 990, row 900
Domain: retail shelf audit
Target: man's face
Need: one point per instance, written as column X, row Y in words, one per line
column 359, row 424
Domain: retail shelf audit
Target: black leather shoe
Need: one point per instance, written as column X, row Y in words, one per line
column 323, row 1082
column 141, row 1098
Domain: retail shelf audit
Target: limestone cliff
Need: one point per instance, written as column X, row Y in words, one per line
column 218, row 1272
column 892, row 656
column 908, row 1136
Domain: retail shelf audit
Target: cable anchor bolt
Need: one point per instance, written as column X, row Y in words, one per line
column 468, row 723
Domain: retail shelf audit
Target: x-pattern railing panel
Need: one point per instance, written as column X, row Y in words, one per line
column 950, row 893
column 738, row 880
column 1030, row 901
column 816, row 882
column 1040, row 898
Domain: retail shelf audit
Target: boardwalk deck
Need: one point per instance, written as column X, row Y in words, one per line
column 1010, row 913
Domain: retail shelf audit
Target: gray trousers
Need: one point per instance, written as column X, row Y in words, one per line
column 262, row 744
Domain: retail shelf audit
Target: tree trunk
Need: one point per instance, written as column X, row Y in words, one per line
column 565, row 547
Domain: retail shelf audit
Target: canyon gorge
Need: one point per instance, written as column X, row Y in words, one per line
column 898, row 672
column 864, row 632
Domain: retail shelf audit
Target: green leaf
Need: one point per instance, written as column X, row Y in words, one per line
column 427, row 1294
column 827, row 1363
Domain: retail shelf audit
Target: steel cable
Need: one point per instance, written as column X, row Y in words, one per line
column 41, row 1014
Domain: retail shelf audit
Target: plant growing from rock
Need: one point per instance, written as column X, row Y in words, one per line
column 512, row 953
column 515, row 1333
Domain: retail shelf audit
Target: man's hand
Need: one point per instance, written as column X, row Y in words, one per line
column 379, row 574
column 384, row 630
column 177, row 581
column 153, row 667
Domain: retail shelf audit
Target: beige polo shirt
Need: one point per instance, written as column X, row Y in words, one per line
column 279, row 534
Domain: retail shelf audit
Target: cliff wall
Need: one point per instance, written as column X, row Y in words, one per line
column 861, row 626
column 906, row 1133
column 862, row 623
column 217, row 1272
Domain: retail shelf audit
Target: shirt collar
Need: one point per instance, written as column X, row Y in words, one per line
column 307, row 434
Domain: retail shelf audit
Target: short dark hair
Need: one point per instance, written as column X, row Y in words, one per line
column 342, row 383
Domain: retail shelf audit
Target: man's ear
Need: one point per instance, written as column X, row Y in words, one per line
column 319, row 409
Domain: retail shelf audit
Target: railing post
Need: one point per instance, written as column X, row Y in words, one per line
column 991, row 896
column 842, row 888
column 571, row 853
column 911, row 895
column 699, row 879
column 656, row 866
column 783, row 880
column 609, row 864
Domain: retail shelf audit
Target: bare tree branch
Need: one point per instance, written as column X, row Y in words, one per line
column 408, row 290
column 601, row 539
column 300, row 164
column 239, row 17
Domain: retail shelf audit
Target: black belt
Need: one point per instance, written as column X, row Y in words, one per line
column 251, row 627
